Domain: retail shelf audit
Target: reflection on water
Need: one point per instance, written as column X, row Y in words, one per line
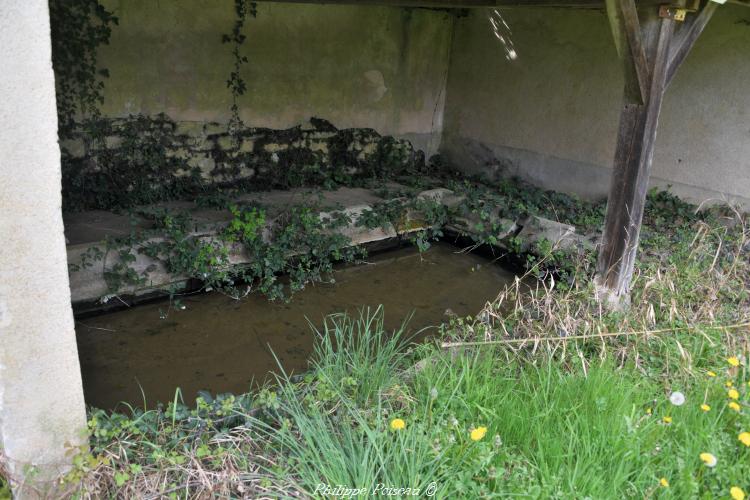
column 221, row 345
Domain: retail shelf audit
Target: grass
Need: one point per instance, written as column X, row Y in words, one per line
column 553, row 430
column 356, row 356
column 543, row 394
column 567, row 433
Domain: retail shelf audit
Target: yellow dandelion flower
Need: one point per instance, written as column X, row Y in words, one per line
column 478, row 433
column 733, row 394
column 663, row 481
column 736, row 493
column 705, row 407
column 708, row 459
column 733, row 361
column 710, row 373
column 667, row 420
column 744, row 438
column 397, row 424
column 729, row 383
column 649, row 411
column 734, row 406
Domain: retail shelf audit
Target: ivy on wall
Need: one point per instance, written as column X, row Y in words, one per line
column 142, row 160
column 131, row 163
column 298, row 244
column 126, row 163
column 236, row 83
column 302, row 245
column 119, row 163
column 78, row 28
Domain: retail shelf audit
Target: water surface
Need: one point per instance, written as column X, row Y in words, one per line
column 222, row 345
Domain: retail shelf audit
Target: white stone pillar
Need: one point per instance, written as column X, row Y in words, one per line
column 42, row 411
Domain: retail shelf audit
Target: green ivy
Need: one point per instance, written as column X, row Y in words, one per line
column 78, row 28
column 236, row 84
column 137, row 168
column 298, row 245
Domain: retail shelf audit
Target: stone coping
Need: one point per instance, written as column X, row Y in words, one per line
column 87, row 230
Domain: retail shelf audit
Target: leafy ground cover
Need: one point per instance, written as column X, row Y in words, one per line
column 544, row 394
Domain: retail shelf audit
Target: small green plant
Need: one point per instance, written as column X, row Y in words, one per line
column 5, row 491
column 355, row 355
column 246, row 226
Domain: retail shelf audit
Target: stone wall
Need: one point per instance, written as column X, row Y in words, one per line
column 123, row 162
column 551, row 115
column 375, row 67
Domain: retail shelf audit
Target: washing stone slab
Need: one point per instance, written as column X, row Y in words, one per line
column 88, row 231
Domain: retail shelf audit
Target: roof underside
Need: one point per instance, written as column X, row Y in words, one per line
column 580, row 4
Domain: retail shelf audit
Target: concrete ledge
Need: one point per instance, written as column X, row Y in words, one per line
column 87, row 231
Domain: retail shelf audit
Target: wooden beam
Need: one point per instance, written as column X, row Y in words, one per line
column 632, row 165
column 626, row 30
column 687, row 37
column 637, row 52
column 580, row 4
column 462, row 4
column 637, row 134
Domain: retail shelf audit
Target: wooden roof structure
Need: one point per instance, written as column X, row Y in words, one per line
column 653, row 38
column 463, row 4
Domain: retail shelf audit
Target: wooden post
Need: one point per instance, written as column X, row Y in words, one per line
column 651, row 55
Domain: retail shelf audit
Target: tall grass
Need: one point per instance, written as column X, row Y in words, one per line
column 690, row 301
column 553, row 429
column 334, row 429
column 356, row 356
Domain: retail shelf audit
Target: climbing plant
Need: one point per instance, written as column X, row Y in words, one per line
column 135, row 165
column 283, row 252
column 236, row 83
column 299, row 245
column 78, row 28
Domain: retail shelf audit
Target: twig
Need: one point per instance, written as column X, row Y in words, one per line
column 447, row 345
column 96, row 327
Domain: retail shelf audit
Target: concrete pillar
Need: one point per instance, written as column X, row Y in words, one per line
column 42, row 413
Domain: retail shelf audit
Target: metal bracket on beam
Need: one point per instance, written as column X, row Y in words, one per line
column 672, row 12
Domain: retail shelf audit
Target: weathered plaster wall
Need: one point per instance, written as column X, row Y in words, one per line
column 356, row 66
column 41, row 400
column 551, row 116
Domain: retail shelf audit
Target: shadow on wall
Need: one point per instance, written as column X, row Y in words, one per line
column 587, row 180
